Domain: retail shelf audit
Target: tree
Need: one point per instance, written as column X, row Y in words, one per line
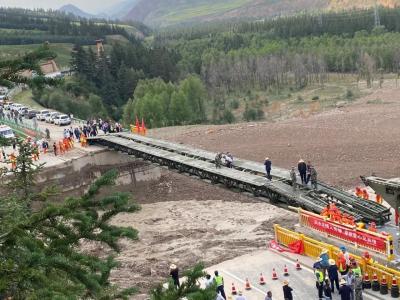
column 189, row 289
column 39, row 249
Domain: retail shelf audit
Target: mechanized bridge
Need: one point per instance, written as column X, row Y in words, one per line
column 245, row 175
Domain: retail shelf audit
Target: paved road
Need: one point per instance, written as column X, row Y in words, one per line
column 250, row 266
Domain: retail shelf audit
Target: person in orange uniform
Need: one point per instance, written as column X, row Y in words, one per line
column 13, row 160
column 365, row 194
column 61, row 146
column 372, row 227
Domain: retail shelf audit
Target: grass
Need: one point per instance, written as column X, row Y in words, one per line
column 25, row 98
column 185, row 11
column 63, row 51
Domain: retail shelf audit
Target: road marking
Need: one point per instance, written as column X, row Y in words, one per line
column 242, row 281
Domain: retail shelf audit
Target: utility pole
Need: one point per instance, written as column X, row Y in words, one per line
column 376, row 15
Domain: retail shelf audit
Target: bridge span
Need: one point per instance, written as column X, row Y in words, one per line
column 245, row 175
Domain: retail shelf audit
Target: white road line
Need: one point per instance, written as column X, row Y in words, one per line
column 242, row 281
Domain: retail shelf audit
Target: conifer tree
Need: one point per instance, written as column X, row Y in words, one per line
column 40, row 255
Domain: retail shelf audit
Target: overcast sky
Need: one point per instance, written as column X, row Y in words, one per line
column 91, row 6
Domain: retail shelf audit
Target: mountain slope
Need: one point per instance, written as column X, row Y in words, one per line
column 72, row 9
column 170, row 12
column 119, row 10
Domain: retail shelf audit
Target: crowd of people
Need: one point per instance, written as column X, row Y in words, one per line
column 93, row 126
column 344, row 274
column 223, row 159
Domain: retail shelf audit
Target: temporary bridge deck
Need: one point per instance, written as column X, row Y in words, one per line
column 245, row 175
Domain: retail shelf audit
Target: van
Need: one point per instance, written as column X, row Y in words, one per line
column 6, row 132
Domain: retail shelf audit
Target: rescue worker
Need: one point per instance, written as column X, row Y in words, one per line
column 302, row 167
column 287, row 291
column 313, row 177
column 268, row 166
column 219, row 281
column 372, row 227
column 368, row 260
column 327, row 290
column 356, row 268
column 346, row 255
column 350, row 281
column 358, row 287
column 218, row 160
column 55, row 149
column 342, row 265
column 293, row 178
column 240, row 296
column 324, row 261
column 344, row 291
column 319, row 274
column 308, row 171
column 13, row 161
column 174, row 273
column 333, row 275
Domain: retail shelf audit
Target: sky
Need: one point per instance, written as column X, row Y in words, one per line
column 90, row 6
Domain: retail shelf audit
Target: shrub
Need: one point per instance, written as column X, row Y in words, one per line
column 315, row 98
column 349, row 94
column 235, row 104
column 228, row 117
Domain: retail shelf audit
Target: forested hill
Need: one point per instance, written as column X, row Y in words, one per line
column 172, row 12
column 22, row 26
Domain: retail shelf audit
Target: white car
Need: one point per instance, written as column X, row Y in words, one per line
column 22, row 108
column 50, row 117
column 62, row 120
column 6, row 132
column 42, row 115
column 15, row 106
column 7, row 106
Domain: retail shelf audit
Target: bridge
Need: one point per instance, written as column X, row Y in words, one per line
column 245, row 175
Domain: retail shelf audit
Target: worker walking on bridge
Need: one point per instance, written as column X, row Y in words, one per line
column 313, row 177
column 268, row 166
column 218, row 160
column 293, row 178
column 302, row 167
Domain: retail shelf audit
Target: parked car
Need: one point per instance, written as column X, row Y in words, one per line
column 50, row 117
column 41, row 116
column 22, row 108
column 6, row 132
column 31, row 113
column 16, row 106
column 62, row 120
column 23, row 111
column 7, row 105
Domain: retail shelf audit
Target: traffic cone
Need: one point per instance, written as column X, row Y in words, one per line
column 298, row 267
column 366, row 282
column 285, row 271
column 262, row 280
column 234, row 292
column 247, row 285
column 384, row 288
column 375, row 283
column 394, row 290
column 274, row 276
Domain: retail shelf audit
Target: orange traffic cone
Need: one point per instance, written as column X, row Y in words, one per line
column 394, row 290
column 375, row 283
column 247, row 285
column 262, row 280
column 274, row 276
column 366, row 281
column 285, row 271
column 298, row 267
column 234, row 292
column 384, row 287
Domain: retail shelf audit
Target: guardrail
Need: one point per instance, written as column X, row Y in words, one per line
column 23, row 129
column 313, row 248
column 358, row 237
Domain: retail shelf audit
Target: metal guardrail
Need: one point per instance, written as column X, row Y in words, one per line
column 313, row 248
column 25, row 128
